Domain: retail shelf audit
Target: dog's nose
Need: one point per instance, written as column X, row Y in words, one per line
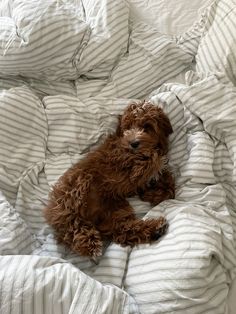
column 134, row 144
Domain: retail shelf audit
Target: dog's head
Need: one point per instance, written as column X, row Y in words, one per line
column 143, row 128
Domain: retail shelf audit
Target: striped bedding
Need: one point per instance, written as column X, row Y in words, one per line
column 67, row 70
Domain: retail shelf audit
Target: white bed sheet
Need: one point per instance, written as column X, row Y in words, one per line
column 232, row 299
column 168, row 16
column 175, row 17
column 171, row 17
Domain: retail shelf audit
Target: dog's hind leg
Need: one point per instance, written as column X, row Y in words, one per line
column 87, row 242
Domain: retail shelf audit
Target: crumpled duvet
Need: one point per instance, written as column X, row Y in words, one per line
column 67, row 70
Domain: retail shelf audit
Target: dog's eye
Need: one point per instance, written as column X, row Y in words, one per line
column 158, row 146
column 147, row 127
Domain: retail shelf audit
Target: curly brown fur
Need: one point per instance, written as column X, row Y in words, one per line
column 88, row 203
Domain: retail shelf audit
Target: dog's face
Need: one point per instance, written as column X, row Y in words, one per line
column 144, row 128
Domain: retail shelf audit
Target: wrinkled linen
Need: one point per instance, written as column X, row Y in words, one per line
column 57, row 104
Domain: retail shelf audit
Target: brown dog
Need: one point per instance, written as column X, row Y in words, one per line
column 88, row 203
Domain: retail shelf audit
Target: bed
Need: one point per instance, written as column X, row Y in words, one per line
column 67, row 70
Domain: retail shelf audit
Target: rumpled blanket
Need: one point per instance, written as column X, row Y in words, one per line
column 67, row 70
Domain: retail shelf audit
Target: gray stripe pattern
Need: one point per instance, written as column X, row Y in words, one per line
column 216, row 51
column 198, row 253
column 38, row 39
column 47, row 125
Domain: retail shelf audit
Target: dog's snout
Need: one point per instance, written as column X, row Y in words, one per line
column 135, row 144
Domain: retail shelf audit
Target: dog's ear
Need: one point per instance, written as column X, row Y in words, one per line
column 118, row 128
column 164, row 123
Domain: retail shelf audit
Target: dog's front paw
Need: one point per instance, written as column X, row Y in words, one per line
column 153, row 196
column 160, row 229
